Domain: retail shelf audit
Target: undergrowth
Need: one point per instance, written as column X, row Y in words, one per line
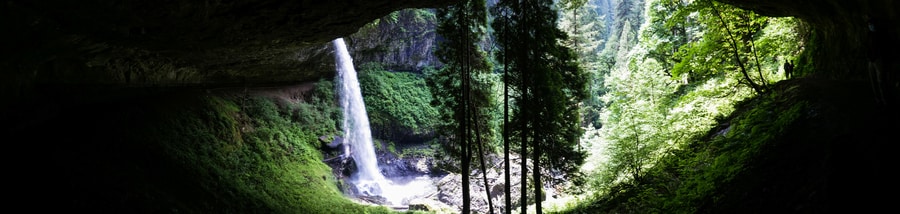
column 251, row 155
column 694, row 175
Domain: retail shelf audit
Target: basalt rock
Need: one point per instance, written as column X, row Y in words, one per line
column 331, row 142
column 393, row 166
column 402, row 41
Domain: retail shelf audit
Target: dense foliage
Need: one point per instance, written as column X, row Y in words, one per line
column 215, row 151
column 692, row 174
column 398, row 104
column 670, row 80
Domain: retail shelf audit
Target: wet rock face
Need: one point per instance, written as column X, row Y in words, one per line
column 402, row 41
column 392, row 166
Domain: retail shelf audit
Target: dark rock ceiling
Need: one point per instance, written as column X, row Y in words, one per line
column 131, row 43
column 165, row 43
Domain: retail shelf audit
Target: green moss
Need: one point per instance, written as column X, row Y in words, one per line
column 246, row 155
column 805, row 64
column 429, row 150
column 398, row 103
column 392, row 148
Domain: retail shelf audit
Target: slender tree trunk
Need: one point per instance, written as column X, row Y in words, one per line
column 507, row 162
column 523, row 151
column 758, row 66
column 575, row 30
column 536, row 175
column 635, row 157
column 523, row 108
column 464, row 123
column 735, row 50
column 480, row 142
column 521, row 61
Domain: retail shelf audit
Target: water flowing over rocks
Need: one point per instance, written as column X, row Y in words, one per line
column 448, row 192
column 450, row 186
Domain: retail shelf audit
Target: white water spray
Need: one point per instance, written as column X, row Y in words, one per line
column 357, row 134
column 358, row 137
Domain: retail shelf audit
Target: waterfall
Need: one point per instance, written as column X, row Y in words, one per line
column 357, row 135
column 358, row 141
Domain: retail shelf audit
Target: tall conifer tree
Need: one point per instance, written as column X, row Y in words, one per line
column 548, row 85
column 461, row 27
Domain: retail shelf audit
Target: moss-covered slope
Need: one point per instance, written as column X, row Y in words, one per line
column 190, row 151
column 810, row 145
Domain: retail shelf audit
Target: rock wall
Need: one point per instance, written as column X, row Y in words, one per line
column 401, row 41
column 52, row 46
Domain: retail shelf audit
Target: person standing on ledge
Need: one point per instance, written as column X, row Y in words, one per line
column 788, row 69
column 878, row 76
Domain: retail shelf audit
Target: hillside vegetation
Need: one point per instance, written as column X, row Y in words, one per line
column 194, row 151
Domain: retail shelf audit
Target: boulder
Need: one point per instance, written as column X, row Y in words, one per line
column 374, row 199
column 331, row 142
column 450, row 186
column 429, row 205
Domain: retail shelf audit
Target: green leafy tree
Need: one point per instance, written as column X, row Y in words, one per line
column 638, row 99
column 728, row 37
column 668, row 25
column 651, row 106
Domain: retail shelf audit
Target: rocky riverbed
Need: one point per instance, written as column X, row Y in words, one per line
column 441, row 190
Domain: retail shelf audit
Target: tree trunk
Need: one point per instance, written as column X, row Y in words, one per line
column 521, row 57
column 735, row 50
column 487, row 186
column 536, row 172
column 506, row 173
column 758, row 66
column 464, row 123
